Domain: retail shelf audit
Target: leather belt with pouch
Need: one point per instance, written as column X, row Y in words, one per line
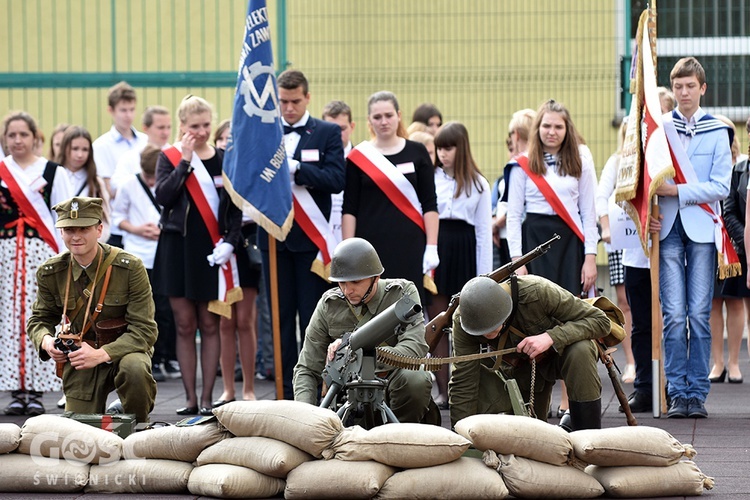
column 107, row 331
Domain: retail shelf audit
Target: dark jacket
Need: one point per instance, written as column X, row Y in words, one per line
column 322, row 178
column 735, row 206
column 172, row 194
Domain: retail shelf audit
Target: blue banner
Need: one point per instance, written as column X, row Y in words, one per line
column 256, row 173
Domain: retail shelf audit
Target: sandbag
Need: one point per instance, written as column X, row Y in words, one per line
column 182, row 444
column 526, row 478
column 232, row 481
column 399, row 445
column 337, row 479
column 140, row 476
column 463, row 479
column 268, row 456
column 681, row 479
column 628, row 446
column 57, row 437
column 10, row 436
column 302, row 425
column 517, row 435
column 36, row 474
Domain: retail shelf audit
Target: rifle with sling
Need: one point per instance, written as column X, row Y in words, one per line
column 443, row 322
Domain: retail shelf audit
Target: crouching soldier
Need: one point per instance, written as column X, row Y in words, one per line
column 98, row 298
column 544, row 322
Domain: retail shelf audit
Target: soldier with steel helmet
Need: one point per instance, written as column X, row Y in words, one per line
column 544, row 322
column 362, row 294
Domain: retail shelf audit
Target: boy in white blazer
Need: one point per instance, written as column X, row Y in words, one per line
column 687, row 256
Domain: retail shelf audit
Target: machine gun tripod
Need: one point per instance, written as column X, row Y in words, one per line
column 353, row 368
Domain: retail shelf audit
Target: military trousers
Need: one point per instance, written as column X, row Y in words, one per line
column 130, row 377
column 576, row 365
column 408, row 394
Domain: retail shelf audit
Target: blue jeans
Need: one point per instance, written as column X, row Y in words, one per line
column 686, row 280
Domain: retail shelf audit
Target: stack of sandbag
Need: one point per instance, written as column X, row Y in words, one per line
column 273, row 438
column 396, row 461
column 640, row 462
column 534, row 458
column 155, row 460
column 54, row 454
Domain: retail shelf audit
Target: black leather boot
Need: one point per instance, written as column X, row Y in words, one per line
column 585, row 415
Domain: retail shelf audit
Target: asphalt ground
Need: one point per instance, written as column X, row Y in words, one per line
column 722, row 440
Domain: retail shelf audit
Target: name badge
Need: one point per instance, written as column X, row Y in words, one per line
column 406, row 168
column 218, row 181
column 310, row 155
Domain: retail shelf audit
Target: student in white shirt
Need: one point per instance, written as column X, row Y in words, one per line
column 120, row 138
column 136, row 212
column 76, row 156
column 157, row 125
column 465, row 233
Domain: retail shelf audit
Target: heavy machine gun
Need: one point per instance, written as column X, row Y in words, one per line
column 353, row 368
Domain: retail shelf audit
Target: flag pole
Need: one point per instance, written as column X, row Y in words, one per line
column 276, row 327
column 658, row 401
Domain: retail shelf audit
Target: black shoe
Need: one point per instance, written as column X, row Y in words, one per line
column 34, row 405
column 158, row 373
column 187, row 410
column 17, row 405
column 678, row 408
column 639, row 402
column 172, row 369
column 206, row 411
column 696, row 409
column 221, row 402
column 720, row 378
column 565, row 422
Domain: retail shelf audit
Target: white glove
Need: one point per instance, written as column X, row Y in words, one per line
column 430, row 260
column 221, row 254
column 293, row 167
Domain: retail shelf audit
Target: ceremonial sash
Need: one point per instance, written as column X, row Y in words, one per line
column 202, row 190
column 729, row 263
column 394, row 185
column 33, row 210
column 550, row 195
column 314, row 224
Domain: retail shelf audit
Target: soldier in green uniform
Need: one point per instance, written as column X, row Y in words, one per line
column 546, row 323
column 361, row 294
column 80, row 274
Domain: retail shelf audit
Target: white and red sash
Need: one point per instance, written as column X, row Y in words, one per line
column 394, row 185
column 33, row 211
column 202, row 190
column 549, row 194
column 729, row 263
column 314, row 224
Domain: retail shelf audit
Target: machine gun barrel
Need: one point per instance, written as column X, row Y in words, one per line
column 383, row 326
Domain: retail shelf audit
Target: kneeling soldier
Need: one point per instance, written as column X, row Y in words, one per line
column 546, row 323
column 99, row 297
column 361, row 295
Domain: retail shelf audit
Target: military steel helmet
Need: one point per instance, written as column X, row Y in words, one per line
column 484, row 306
column 355, row 259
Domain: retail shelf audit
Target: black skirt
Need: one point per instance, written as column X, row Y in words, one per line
column 563, row 261
column 457, row 249
column 735, row 287
column 249, row 274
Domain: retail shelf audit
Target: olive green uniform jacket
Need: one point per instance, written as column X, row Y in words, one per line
column 128, row 296
column 542, row 307
column 333, row 318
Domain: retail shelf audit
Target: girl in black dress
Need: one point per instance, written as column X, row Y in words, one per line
column 186, row 258
column 406, row 250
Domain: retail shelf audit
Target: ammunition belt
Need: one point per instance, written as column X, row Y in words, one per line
column 432, row 364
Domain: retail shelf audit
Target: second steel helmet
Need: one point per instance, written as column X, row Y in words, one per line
column 484, row 306
column 355, row 259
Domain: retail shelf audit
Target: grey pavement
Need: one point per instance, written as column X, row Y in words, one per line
column 722, row 440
